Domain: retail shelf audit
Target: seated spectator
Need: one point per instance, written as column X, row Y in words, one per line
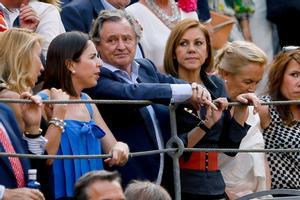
column 50, row 24
column 157, row 19
column 99, row 185
column 10, row 10
column 146, row 190
column 188, row 56
column 241, row 65
column 78, row 15
column 143, row 128
column 13, row 170
column 280, row 123
column 73, row 65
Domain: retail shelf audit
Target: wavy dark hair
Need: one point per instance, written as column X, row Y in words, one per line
column 276, row 74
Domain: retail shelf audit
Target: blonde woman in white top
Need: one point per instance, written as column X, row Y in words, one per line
column 241, row 65
column 157, row 17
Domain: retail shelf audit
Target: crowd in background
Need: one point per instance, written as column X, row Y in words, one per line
column 164, row 51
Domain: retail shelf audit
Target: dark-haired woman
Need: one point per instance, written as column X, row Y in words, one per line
column 188, row 56
column 281, row 123
column 73, row 65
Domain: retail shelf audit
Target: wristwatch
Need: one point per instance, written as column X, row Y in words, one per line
column 202, row 126
column 32, row 136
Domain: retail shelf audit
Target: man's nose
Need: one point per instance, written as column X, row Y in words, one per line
column 121, row 44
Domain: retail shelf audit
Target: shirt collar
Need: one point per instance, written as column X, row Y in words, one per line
column 9, row 15
column 132, row 78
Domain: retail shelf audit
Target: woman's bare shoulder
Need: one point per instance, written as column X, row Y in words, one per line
column 8, row 94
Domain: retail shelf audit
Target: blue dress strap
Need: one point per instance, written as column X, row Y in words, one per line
column 43, row 95
column 88, row 105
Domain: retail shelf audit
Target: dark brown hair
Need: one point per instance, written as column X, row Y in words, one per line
column 65, row 47
column 170, row 62
column 276, row 74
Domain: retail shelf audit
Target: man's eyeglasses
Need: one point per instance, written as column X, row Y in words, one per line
column 290, row 48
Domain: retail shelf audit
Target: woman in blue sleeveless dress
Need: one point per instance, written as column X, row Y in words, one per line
column 73, row 65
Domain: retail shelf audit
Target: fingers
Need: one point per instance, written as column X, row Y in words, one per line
column 250, row 98
column 23, row 194
column 211, row 104
column 25, row 95
column 34, row 98
column 28, row 17
column 120, row 153
column 221, row 103
column 241, row 98
column 256, row 104
column 206, row 99
column 58, row 94
column 202, row 95
column 27, row 13
column 36, row 195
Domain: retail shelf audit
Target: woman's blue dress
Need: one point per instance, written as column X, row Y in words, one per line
column 78, row 138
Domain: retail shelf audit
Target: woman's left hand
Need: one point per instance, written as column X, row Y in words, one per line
column 241, row 111
column 212, row 115
column 120, row 153
column 31, row 112
column 247, row 98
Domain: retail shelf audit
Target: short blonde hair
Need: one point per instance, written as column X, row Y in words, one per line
column 236, row 55
column 16, row 59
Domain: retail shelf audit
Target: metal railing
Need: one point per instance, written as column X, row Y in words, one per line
column 174, row 147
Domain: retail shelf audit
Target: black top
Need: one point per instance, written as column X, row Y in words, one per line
column 226, row 133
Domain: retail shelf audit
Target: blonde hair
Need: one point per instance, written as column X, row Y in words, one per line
column 16, row 59
column 236, row 55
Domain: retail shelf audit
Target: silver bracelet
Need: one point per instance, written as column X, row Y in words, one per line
column 58, row 123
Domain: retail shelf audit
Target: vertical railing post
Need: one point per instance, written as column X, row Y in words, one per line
column 175, row 142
